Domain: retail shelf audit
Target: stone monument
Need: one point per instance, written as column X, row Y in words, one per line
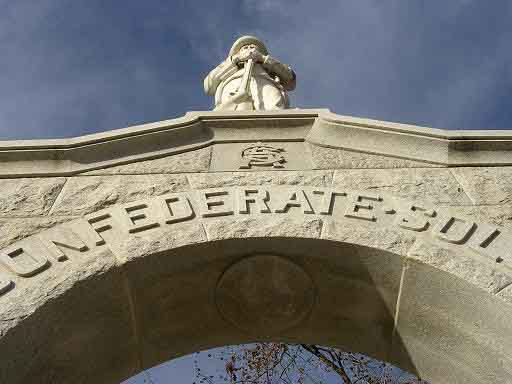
column 253, row 222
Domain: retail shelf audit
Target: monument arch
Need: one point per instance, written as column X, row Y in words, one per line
column 124, row 249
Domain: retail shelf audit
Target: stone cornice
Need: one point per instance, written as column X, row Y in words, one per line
column 62, row 157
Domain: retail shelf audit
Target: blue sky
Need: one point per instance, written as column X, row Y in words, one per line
column 71, row 67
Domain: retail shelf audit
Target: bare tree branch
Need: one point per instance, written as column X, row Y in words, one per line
column 338, row 369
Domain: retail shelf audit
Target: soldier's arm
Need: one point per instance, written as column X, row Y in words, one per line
column 287, row 77
column 221, row 72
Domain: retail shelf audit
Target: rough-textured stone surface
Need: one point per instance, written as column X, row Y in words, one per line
column 230, row 179
column 24, row 197
column 486, row 185
column 86, row 194
column 262, row 227
column 435, row 185
column 48, row 301
column 453, row 331
column 481, row 273
column 14, row 229
column 370, row 235
column 156, row 240
column 357, row 293
column 332, row 158
column 500, row 215
column 192, row 161
column 506, row 293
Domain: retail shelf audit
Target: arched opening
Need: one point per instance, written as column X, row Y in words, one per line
column 113, row 323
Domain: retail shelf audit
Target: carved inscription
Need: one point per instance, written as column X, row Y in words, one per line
column 137, row 217
column 259, row 197
column 362, row 207
column 215, row 203
column 6, row 284
column 100, row 222
column 25, row 258
column 416, row 218
column 328, row 199
column 37, row 253
column 176, row 208
column 454, row 230
column 483, row 242
column 296, row 198
column 61, row 237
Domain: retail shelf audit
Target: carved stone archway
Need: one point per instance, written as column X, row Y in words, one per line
column 118, row 257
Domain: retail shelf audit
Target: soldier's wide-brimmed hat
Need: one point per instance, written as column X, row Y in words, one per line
column 246, row 40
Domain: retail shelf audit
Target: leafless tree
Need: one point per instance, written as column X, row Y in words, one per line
column 280, row 363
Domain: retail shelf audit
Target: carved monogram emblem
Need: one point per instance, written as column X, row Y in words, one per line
column 262, row 155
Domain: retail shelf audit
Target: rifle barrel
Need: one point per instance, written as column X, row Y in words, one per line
column 245, row 84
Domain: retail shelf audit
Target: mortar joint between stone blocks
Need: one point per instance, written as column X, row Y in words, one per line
column 58, row 197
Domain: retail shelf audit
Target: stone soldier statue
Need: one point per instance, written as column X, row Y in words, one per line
column 250, row 79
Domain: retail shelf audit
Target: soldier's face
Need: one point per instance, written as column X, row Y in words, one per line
column 249, row 48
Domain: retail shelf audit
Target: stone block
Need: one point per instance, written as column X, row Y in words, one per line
column 486, row 185
column 230, row 179
column 370, row 234
column 453, row 331
column 192, row 161
column 154, row 241
column 435, row 185
column 500, row 215
column 333, row 158
column 473, row 268
column 89, row 342
column 86, row 194
column 357, row 289
column 15, row 229
column 263, row 227
column 506, row 293
column 29, row 197
column 176, row 311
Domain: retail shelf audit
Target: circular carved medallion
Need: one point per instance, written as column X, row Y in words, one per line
column 264, row 294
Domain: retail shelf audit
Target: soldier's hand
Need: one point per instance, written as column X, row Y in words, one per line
column 245, row 54
column 241, row 56
column 257, row 56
